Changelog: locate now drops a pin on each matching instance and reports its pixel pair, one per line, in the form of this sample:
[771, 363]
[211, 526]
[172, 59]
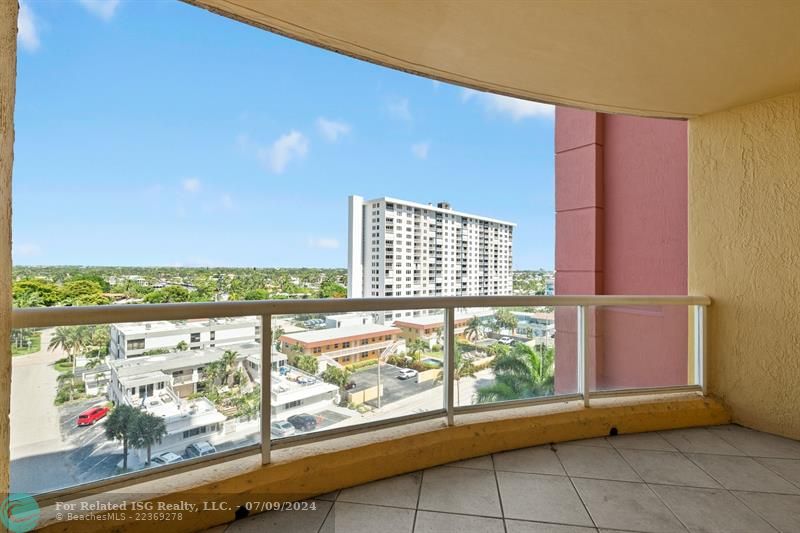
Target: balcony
[742, 247]
[455, 404]
[662, 479]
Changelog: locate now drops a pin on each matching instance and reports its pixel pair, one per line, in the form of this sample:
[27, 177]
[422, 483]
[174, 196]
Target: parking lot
[93, 456]
[394, 389]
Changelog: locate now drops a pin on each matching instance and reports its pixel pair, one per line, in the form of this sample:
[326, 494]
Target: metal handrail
[107, 314]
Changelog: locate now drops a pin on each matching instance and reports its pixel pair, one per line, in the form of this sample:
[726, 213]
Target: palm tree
[277, 333]
[120, 426]
[473, 329]
[62, 338]
[519, 373]
[307, 363]
[463, 368]
[66, 384]
[146, 431]
[505, 319]
[227, 362]
[415, 347]
[339, 377]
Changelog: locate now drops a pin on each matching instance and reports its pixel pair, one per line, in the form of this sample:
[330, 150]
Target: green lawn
[36, 344]
[63, 365]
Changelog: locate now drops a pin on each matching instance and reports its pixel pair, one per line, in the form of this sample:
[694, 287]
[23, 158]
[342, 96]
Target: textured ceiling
[664, 58]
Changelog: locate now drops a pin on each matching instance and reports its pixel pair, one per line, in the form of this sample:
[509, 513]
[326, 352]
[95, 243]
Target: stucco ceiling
[668, 58]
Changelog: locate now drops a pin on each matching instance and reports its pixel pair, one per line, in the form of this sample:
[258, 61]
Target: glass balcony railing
[389, 361]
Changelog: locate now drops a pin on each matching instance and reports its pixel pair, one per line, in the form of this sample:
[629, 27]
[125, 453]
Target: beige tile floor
[724, 479]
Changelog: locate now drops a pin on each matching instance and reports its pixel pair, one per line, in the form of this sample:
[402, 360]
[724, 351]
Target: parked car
[407, 373]
[199, 449]
[167, 458]
[508, 341]
[92, 415]
[303, 422]
[282, 428]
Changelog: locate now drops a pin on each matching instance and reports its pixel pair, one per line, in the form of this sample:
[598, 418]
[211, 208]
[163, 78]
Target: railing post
[266, 387]
[583, 357]
[700, 347]
[450, 362]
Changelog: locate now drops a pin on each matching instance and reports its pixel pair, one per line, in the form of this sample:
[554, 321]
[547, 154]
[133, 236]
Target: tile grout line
[653, 492]
[755, 512]
[419, 496]
[499, 494]
[755, 458]
[330, 510]
[771, 469]
[574, 488]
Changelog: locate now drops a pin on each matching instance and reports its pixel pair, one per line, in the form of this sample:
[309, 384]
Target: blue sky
[156, 133]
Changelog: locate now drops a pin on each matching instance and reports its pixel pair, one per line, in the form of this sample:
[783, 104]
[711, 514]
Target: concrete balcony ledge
[317, 468]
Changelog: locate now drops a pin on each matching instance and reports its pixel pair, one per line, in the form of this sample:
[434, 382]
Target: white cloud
[513, 107]
[27, 34]
[292, 145]
[26, 249]
[400, 109]
[420, 150]
[331, 129]
[436, 84]
[191, 185]
[323, 242]
[227, 201]
[103, 9]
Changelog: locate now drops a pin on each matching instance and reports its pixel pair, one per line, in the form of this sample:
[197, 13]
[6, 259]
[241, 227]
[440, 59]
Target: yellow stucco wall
[8, 68]
[744, 252]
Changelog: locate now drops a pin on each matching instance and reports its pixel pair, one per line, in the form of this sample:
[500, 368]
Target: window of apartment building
[194, 337]
[135, 344]
[194, 432]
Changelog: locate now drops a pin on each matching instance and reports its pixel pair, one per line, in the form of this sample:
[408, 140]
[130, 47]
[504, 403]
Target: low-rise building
[345, 345]
[168, 385]
[349, 319]
[148, 387]
[431, 327]
[136, 339]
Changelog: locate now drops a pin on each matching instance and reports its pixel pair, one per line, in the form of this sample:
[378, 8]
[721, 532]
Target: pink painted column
[579, 231]
[621, 228]
[645, 180]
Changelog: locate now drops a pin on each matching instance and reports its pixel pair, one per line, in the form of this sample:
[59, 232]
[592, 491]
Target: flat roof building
[345, 345]
[136, 339]
[402, 248]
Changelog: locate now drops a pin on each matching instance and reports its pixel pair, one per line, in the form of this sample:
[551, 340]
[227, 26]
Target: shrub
[396, 360]
[361, 364]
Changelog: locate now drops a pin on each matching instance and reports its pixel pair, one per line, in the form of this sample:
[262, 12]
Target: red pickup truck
[90, 416]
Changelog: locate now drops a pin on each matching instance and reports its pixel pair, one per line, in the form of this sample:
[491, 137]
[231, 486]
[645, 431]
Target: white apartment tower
[400, 248]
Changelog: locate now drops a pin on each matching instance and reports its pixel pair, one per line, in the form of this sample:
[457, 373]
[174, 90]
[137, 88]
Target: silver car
[166, 458]
[281, 428]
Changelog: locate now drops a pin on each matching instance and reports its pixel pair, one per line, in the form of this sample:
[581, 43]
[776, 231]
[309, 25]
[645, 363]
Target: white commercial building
[401, 248]
[147, 338]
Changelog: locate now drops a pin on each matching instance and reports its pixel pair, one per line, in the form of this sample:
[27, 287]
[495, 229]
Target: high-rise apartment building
[401, 248]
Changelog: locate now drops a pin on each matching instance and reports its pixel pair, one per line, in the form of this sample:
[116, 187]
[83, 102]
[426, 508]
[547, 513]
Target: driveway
[36, 443]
